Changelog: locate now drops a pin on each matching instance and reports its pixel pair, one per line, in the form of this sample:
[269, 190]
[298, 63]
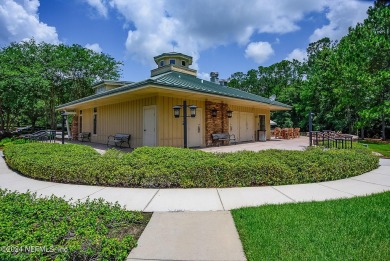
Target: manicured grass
[167, 167]
[382, 148]
[347, 229]
[93, 230]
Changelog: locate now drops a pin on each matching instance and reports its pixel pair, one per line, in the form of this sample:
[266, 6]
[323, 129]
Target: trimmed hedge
[92, 230]
[168, 167]
[7, 141]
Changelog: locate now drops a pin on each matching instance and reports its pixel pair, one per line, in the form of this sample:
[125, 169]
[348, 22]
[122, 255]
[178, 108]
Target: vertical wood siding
[125, 117]
[256, 113]
[170, 131]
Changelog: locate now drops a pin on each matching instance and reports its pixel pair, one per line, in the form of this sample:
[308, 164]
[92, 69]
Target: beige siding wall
[87, 120]
[125, 117]
[170, 130]
[256, 113]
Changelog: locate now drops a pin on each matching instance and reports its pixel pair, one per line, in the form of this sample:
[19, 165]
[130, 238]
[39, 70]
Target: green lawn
[382, 148]
[348, 229]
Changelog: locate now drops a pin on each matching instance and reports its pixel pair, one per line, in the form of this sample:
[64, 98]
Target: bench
[119, 138]
[219, 138]
[85, 136]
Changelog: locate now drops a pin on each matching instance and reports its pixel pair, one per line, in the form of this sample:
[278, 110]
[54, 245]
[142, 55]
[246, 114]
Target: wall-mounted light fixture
[229, 113]
[214, 112]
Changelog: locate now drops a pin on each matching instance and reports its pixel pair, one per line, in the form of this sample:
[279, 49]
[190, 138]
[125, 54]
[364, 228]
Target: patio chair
[290, 133]
[278, 133]
[297, 132]
[285, 133]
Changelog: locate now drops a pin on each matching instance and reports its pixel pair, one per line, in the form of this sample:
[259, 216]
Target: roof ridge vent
[214, 77]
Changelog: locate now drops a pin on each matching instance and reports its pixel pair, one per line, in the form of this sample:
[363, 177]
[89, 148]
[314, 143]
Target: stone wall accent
[219, 124]
[75, 127]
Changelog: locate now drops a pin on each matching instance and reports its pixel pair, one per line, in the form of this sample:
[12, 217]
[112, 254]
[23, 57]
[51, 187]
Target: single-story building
[145, 109]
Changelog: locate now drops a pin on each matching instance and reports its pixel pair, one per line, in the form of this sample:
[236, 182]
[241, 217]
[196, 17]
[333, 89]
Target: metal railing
[43, 136]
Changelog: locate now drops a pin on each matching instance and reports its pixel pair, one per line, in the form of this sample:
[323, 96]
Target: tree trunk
[7, 121]
[52, 111]
[1, 117]
[383, 127]
[362, 133]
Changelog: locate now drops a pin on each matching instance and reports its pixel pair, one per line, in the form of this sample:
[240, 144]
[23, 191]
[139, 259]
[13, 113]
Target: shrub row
[6, 141]
[167, 167]
[93, 230]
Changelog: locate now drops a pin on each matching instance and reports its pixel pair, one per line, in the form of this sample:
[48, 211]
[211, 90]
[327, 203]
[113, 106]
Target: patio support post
[176, 113]
[185, 123]
[63, 116]
[310, 128]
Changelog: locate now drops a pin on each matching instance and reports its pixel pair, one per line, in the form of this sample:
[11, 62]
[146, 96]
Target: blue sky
[225, 36]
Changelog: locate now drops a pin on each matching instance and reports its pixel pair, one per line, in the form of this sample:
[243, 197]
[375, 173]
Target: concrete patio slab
[292, 144]
[245, 197]
[131, 198]
[355, 187]
[189, 236]
[69, 191]
[374, 178]
[185, 200]
[311, 192]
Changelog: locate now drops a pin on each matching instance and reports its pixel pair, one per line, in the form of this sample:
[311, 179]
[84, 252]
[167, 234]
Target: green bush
[6, 141]
[93, 230]
[168, 167]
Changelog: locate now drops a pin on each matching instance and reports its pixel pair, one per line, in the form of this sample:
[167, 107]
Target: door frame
[199, 112]
[155, 124]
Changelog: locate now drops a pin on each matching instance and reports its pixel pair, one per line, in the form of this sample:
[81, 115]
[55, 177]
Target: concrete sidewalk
[189, 236]
[210, 199]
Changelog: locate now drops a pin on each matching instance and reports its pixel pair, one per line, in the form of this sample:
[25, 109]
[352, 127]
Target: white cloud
[259, 51]
[297, 54]
[19, 21]
[100, 6]
[197, 25]
[94, 47]
[341, 15]
[204, 76]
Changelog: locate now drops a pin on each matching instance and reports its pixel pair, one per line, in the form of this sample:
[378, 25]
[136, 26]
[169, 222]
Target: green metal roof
[183, 81]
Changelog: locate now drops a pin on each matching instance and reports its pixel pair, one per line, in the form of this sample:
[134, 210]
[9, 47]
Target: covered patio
[293, 144]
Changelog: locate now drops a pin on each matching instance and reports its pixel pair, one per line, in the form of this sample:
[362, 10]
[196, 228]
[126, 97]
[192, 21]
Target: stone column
[218, 124]
[75, 127]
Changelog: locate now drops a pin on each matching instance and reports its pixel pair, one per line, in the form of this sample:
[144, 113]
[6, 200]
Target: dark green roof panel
[188, 82]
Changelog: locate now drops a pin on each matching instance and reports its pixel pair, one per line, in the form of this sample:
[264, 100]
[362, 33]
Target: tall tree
[36, 77]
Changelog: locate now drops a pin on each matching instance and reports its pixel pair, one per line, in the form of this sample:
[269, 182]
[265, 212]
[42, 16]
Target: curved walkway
[210, 199]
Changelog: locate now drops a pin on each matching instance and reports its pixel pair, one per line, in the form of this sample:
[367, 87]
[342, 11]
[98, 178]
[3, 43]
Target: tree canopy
[36, 77]
[346, 84]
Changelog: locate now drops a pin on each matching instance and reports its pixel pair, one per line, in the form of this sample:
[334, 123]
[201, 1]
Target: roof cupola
[173, 61]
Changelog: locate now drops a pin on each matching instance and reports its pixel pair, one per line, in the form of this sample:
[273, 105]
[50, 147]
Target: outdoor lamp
[192, 110]
[214, 112]
[176, 111]
[229, 113]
